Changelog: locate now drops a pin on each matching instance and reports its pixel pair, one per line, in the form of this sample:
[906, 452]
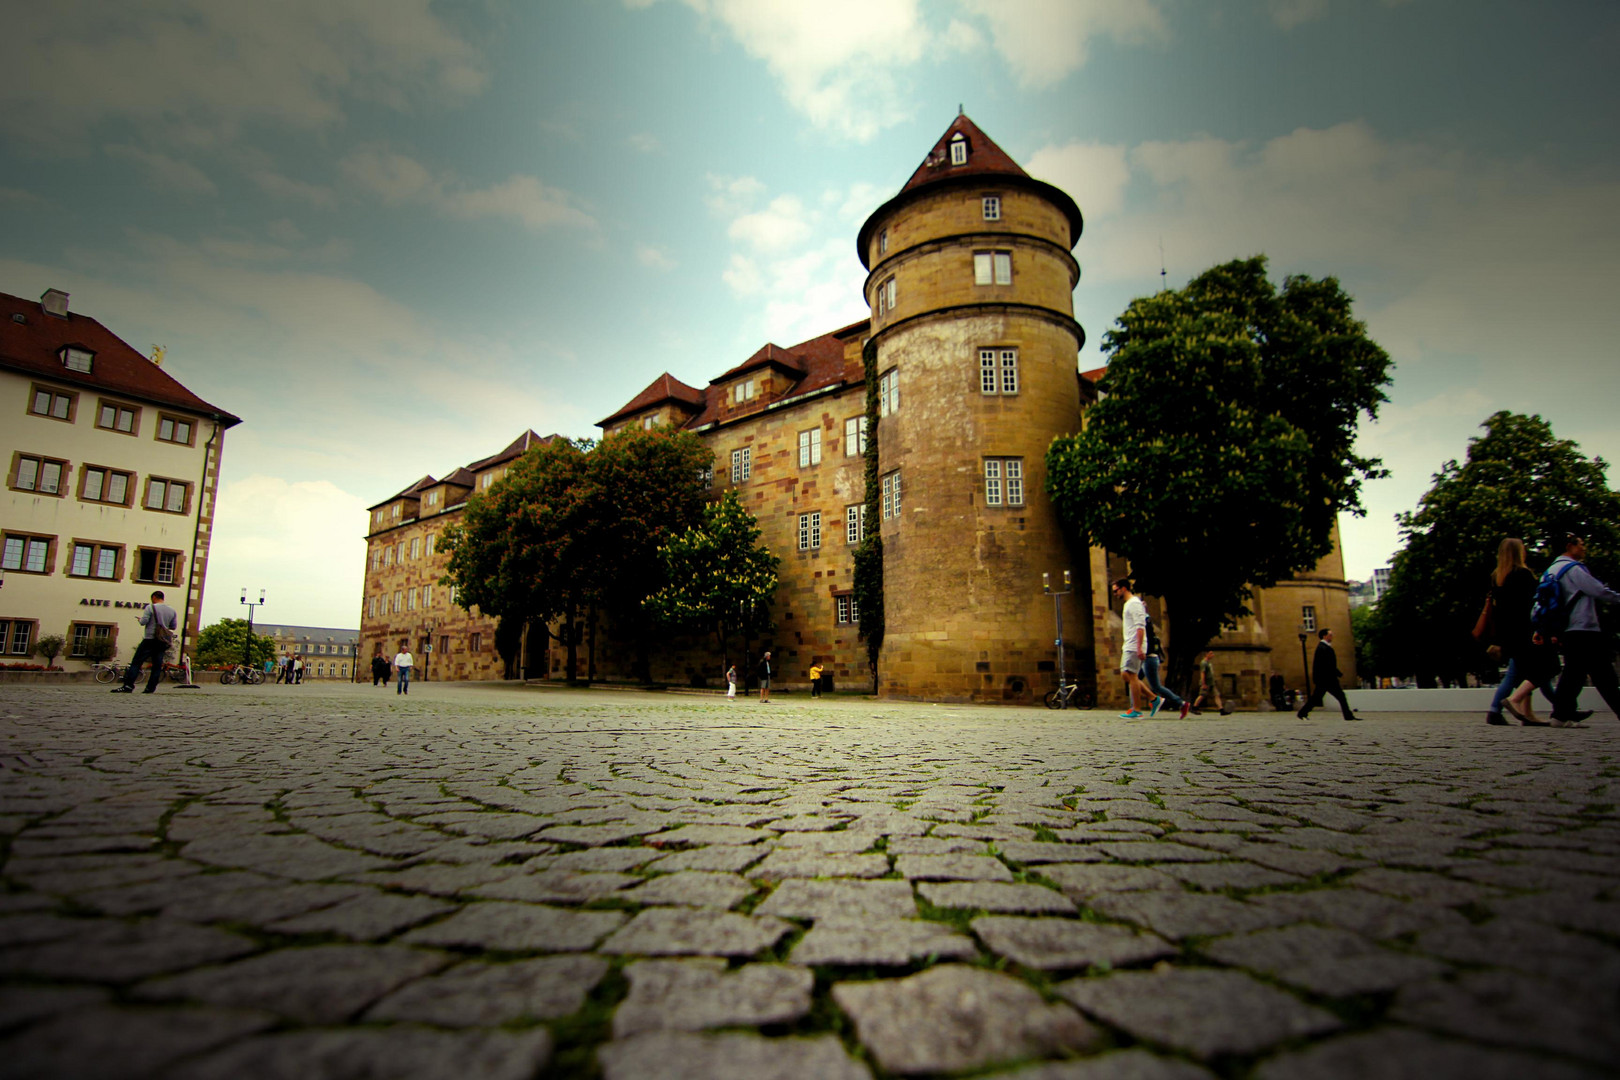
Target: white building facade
[112, 472]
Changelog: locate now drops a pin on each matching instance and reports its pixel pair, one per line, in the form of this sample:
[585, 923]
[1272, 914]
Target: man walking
[402, 665]
[765, 678]
[161, 623]
[1132, 659]
[379, 670]
[1325, 673]
[1586, 653]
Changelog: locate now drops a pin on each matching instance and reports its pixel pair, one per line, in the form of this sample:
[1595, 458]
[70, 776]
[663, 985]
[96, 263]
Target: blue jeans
[1150, 672]
[1505, 688]
[404, 684]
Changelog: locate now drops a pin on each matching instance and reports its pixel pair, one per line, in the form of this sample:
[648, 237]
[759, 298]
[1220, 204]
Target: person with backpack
[1566, 613]
[1150, 674]
[161, 622]
[1529, 661]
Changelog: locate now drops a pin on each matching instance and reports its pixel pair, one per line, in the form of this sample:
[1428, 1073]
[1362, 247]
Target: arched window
[959, 149]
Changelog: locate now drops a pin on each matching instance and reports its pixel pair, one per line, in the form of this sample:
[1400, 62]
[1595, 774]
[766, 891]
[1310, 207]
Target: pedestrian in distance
[1325, 673]
[1209, 689]
[298, 669]
[1150, 672]
[379, 670]
[815, 680]
[160, 623]
[765, 678]
[1134, 613]
[402, 668]
[731, 683]
[1530, 662]
[1573, 626]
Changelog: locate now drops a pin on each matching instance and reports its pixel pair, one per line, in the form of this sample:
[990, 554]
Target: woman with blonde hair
[1513, 590]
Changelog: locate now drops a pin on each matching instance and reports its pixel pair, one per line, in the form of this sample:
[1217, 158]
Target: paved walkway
[335, 881]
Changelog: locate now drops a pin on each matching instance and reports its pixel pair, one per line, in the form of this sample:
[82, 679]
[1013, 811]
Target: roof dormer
[77, 357]
[959, 149]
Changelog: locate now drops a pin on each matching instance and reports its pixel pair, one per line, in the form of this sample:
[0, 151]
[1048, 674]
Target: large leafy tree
[718, 577]
[521, 549]
[1222, 450]
[1517, 479]
[222, 644]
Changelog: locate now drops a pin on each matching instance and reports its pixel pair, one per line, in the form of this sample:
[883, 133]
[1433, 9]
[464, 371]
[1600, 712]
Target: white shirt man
[1135, 650]
[402, 665]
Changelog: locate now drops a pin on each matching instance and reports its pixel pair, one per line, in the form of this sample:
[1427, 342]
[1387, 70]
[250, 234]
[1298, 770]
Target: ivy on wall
[869, 553]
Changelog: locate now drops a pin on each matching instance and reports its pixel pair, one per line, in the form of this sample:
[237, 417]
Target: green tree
[718, 577]
[1517, 479]
[50, 647]
[1372, 651]
[223, 643]
[519, 552]
[1221, 452]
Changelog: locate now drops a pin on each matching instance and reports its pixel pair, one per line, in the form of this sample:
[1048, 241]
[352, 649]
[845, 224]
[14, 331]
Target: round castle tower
[971, 288]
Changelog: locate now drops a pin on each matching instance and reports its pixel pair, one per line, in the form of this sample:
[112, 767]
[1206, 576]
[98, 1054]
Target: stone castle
[970, 287]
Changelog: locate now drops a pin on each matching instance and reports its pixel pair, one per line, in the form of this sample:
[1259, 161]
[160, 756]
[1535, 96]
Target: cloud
[1096, 175]
[731, 195]
[203, 69]
[399, 180]
[655, 258]
[1291, 13]
[163, 172]
[18, 195]
[1043, 41]
[781, 225]
[278, 186]
[644, 143]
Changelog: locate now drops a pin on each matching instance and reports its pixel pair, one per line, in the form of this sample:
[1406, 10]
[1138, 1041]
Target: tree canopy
[717, 576]
[574, 526]
[1517, 479]
[1222, 450]
[222, 644]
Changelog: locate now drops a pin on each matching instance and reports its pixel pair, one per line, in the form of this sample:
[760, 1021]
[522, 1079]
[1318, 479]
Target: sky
[392, 235]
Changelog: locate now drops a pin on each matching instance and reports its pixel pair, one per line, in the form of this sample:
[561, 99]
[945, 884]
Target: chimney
[54, 302]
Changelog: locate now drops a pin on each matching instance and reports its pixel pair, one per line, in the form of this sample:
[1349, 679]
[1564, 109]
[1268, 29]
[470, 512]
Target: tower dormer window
[77, 359]
[958, 149]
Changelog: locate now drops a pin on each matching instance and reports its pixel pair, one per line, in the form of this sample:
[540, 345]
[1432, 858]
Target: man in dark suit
[1325, 673]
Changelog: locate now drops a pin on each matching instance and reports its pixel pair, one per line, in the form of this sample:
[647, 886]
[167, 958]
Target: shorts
[765, 683]
[1130, 663]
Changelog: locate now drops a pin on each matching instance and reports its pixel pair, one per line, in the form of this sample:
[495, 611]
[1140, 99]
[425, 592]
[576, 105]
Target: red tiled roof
[415, 489]
[34, 346]
[664, 388]
[517, 448]
[1094, 374]
[463, 476]
[984, 157]
[769, 355]
[821, 364]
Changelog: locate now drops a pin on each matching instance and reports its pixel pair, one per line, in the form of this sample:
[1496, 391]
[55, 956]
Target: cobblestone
[478, 880]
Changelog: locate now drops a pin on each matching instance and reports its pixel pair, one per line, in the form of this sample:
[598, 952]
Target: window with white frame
[175, 430]
[78, 359]
[398, 508]
[706, 476]
[891, 495]
[992, 207]
[854, 436]
[399, 600]
[84, 634]
[883, 242]
[886, 293]
[388, 555]
[106, 485]
[809, 448]
[112, 416]
[156, 566]
[17, 636]
[27, 554]
[649, 422]
[428, 547]
[371, 608]
[743, 391]
[889, 392]
[431, 498]
[855, 523]
[1004, 481]
[410, 600]
[52, 403]
[810, 530]
[169, 496]
[992, 268]
[848, 612]
[1307, 618]
[959, 149]
[416, 547]
[42, 475]
[486, 480]
[998, 371]
[94, 560]
[427, 596]
[742, 465]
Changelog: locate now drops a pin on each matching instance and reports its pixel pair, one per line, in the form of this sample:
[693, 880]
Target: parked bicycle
[1070, 696]
[112, 671]
[241, 673]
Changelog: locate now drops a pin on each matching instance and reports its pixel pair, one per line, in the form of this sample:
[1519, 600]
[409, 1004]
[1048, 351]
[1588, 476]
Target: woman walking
[1529, 662]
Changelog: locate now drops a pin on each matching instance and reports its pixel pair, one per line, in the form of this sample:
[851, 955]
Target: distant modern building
[112, 470]
[1380, 583]
[1361, 594]
[327, 652]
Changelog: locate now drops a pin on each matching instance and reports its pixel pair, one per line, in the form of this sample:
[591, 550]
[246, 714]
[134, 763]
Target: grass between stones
[576, 1037]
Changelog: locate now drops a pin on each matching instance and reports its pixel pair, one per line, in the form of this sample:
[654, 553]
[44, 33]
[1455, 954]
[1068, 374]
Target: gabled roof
[462, 477]
[517, 448]
[414, 490]
[822, 364]
[984, 157]
[34, 346]
[985, 161]
[664, 388]
[1094, 374]
[769, 355]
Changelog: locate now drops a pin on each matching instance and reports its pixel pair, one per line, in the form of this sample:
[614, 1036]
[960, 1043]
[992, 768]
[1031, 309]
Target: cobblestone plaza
[480, 881]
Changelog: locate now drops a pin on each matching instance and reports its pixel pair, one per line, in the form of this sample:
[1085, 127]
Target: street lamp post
[1304, 631]
[247, 649]
[1057, 615]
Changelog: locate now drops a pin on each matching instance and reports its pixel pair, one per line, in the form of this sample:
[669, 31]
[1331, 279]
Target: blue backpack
[1549, 615]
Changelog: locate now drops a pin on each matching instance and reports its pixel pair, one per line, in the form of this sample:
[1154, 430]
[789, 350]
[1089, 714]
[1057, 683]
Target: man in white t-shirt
[1135, 651]
[403, 664]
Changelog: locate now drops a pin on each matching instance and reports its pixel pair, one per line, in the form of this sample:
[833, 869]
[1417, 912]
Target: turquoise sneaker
[1134, 714]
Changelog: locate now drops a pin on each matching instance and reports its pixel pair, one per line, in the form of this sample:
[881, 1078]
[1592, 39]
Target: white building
[112, 472]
